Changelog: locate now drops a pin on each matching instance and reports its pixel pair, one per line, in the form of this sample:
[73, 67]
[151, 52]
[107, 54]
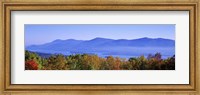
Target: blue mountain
[56, 45]
[142, 42]
[105, 46]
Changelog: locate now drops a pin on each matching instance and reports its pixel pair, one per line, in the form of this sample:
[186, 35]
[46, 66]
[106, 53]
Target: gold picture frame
[96, 5]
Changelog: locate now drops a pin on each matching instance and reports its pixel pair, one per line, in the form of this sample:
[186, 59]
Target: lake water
[126, 52]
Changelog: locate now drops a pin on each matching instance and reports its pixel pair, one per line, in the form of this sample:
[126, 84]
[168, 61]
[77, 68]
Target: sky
[36, 34]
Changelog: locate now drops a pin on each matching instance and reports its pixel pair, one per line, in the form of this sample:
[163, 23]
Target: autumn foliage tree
[94, 62]
[31, 65]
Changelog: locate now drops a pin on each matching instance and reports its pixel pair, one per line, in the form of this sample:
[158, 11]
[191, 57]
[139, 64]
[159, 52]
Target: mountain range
[104, 46]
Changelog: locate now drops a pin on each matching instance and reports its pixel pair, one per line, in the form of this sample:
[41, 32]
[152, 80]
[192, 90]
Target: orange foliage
[31, 65]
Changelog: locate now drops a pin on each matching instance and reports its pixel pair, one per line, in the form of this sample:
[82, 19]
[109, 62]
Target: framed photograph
[100, 46]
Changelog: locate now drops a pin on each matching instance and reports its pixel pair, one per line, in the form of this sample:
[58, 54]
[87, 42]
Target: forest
[93, 62]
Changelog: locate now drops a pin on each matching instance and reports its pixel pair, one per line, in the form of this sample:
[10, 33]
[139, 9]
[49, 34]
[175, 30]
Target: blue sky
[43, 33]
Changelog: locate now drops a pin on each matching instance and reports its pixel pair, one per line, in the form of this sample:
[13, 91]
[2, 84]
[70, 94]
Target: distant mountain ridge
[101, 45]
[157, 42]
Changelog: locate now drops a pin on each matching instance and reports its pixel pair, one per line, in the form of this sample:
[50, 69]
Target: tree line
[93, 62]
